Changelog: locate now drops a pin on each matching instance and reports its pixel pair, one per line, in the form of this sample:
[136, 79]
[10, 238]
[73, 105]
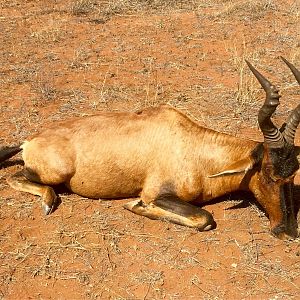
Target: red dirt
[64, 60]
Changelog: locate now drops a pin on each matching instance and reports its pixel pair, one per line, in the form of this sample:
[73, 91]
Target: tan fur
[120, 154]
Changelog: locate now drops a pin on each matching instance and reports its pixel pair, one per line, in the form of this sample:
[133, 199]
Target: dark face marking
[277, 163]
[276, 167]
[289, 224]
[284, 161]
[258, 153]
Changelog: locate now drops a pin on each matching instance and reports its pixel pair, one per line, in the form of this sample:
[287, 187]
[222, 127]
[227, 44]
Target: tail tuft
[7, 152]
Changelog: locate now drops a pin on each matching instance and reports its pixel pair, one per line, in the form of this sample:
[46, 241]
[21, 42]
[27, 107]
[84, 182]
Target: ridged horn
[272, 136]
[294, 118]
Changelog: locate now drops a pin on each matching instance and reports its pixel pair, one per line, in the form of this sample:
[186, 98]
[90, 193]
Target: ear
[239, 166]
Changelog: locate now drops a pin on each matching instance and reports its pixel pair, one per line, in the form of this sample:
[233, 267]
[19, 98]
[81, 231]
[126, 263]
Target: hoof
[130, 205]
[210, 224]
[46, 209]
[209, 227]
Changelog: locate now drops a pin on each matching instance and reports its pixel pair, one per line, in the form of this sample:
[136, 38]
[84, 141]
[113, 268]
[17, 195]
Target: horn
[294, 118]
[272, 136]
[293, 69]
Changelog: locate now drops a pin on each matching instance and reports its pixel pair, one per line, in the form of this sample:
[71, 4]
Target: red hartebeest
[168, 160]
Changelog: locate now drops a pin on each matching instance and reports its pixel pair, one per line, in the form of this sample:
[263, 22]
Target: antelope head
[273, 182]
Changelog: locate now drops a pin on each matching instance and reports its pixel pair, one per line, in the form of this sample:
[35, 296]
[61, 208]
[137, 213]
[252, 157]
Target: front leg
[172, 209]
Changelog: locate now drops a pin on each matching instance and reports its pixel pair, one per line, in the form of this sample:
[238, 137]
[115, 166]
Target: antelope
[166, 162]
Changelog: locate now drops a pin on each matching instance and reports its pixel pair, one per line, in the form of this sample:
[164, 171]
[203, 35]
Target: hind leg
[19, 182]
[172, 209]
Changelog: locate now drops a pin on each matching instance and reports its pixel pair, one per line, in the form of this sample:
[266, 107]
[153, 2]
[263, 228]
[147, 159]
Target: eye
[268, 169]
[269, 175]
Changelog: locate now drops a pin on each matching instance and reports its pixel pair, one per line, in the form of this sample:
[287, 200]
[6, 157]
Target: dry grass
[103, 10]
[251, 10]
[247, 92]
[44, 86]
[76, 58]
[81, 7]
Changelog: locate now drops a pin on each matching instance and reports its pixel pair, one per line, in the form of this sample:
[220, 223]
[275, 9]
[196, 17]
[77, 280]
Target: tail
[7, 152]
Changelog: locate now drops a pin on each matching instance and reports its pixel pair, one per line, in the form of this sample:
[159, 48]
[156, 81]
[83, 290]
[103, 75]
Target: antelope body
[166, 159]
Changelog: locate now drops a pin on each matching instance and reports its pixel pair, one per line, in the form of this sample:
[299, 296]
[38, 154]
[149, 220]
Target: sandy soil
[60, 59]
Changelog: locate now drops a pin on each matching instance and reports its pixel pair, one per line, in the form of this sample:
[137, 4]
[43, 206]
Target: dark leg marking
[172, 203]
[172, 209]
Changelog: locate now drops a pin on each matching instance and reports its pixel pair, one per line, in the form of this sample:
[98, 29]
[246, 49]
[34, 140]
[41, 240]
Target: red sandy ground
[81, 57]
